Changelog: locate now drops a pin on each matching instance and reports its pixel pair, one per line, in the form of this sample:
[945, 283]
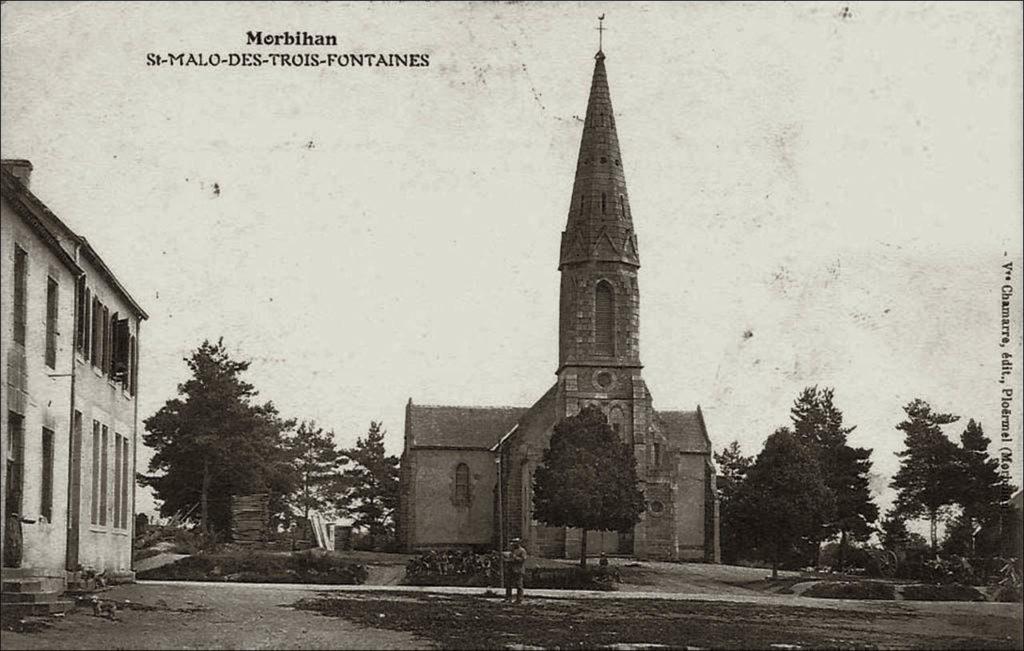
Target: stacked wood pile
[250, 518]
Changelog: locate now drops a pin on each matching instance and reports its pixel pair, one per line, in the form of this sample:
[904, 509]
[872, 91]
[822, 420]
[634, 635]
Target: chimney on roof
[20, 168]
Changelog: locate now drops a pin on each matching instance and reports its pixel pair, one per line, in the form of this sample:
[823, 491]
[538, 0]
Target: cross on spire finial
[600, 33]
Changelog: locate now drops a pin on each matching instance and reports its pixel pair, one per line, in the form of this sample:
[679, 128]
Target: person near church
[515, 569]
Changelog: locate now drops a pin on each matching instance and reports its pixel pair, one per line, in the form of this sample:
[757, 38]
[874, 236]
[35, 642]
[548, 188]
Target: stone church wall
[443, 517]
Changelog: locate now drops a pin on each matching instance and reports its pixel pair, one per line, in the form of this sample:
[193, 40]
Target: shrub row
[313, 566]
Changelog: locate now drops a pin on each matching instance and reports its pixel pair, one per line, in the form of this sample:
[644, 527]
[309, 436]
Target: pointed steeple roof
[599, 210]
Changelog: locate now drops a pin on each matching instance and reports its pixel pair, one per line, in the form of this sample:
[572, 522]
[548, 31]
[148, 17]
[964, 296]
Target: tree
[818, 423]
[733, 513]
[929, 461]
[369, 489]
[316, 461]
[213, 441]
[980, 493]
[789, 501]
[587, 478]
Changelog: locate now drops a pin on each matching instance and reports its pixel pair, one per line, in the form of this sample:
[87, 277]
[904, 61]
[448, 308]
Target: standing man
[515, 561]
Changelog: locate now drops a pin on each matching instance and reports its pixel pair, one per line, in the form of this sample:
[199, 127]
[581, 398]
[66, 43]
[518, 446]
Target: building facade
[457, 460]
[70, 379]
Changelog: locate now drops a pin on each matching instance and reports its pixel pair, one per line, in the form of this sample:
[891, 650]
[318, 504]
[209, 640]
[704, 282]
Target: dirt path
[227, 616]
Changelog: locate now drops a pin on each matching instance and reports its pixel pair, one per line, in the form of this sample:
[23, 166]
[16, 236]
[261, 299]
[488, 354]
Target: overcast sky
[821, 197]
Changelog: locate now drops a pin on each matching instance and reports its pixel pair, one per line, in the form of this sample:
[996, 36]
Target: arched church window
[604, 319]
[462, 484]
[617, 420]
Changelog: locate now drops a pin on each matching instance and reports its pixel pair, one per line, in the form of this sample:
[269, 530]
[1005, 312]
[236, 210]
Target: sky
[824, 194]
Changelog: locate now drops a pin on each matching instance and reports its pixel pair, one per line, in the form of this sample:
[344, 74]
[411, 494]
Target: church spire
[599, 300]
[600, 224]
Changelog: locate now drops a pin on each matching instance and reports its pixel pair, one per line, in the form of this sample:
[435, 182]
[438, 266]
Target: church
[467, 472]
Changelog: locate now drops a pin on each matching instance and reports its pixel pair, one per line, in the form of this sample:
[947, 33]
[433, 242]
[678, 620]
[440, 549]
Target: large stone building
[453, 456]
[68, 385]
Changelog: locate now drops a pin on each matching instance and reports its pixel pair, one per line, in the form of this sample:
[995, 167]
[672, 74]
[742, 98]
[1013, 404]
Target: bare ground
[225, 615]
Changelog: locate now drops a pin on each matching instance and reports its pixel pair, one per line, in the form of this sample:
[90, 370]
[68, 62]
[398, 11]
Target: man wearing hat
[515, 561]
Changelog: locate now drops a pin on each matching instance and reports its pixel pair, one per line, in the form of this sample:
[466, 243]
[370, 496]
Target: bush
[312, 566]
[464, 568]
[454, 567]
[851, 590]
[947, 592]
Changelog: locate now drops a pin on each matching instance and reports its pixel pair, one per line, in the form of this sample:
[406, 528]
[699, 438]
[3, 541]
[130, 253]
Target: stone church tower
[598, 363]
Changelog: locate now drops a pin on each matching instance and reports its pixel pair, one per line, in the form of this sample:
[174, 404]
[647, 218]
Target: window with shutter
[20, 294]
[117, 481]
[97, 332]
[87, 327]
[95, 511]
[52, 297]
[121, 351]
[104, 475]
[604, 319]
[79, 312]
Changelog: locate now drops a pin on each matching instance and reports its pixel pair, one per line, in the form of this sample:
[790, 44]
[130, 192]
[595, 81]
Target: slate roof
[443, 426]
[686, 430]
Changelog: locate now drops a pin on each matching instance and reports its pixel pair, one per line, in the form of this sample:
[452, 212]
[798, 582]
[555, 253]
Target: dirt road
[225, 616]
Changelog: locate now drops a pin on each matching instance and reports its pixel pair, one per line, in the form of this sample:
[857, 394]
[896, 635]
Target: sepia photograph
[511, 325]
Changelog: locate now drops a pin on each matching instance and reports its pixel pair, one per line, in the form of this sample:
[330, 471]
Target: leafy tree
[369, 488]
[895, 536]
[587, 478]
[789, 501]
[316, 461]
[818, 423]
[734, 527]
[214, 441]
[926, 466]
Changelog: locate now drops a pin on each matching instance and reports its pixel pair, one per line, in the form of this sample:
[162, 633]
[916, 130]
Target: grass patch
[945, 592]
[852, 590]
[469, 622]
[312, 566]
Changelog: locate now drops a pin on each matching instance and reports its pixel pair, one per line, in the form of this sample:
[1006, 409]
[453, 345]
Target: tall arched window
[462, 484]
[604, 319]
[604, 203]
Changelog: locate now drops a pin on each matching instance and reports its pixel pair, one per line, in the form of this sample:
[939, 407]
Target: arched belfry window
[462, 484]
[604, 318]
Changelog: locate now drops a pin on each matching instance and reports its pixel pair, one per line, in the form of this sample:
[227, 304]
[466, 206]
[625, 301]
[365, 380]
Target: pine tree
[317, 462]
[370, 486]
[929, 461]
[818, 423]
[981, 491]
[789, 501]
[734, 529]
[214, 441]
[587, 479]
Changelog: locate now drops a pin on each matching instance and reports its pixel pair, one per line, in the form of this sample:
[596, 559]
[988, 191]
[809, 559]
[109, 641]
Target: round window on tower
[603, 379]
[656, 507]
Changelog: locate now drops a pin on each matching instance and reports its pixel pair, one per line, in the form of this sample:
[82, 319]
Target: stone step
[28, 597]
[29, 608]
[22, 585]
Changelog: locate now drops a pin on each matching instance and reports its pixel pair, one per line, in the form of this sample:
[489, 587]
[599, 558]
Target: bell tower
[599, 305]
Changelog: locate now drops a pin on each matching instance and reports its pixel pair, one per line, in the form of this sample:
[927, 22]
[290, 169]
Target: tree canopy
[214, 441]
[818, 424]
[588, 478]
[317, 463]
[788, 499]
[923, 481]
[369, 487]
[735, 531]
